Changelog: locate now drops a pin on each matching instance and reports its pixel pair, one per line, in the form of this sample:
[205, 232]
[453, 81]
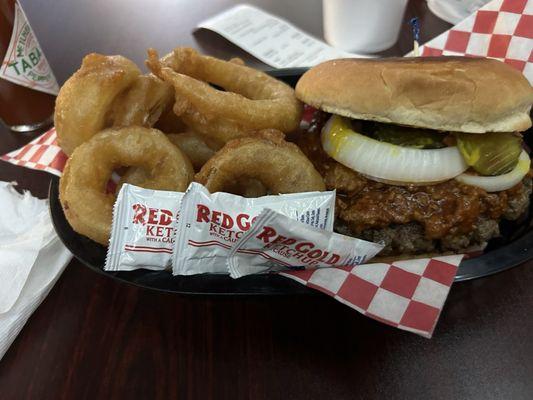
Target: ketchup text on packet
[305, 251]
[222, 224]
[157, 222]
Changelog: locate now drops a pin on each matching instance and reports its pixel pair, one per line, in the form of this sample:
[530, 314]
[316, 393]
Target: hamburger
[426, 154]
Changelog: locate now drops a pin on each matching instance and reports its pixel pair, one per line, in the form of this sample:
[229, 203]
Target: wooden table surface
[94, 338]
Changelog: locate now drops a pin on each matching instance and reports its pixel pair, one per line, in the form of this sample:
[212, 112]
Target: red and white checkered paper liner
[42, 153]
[502, 29]
[406, 294]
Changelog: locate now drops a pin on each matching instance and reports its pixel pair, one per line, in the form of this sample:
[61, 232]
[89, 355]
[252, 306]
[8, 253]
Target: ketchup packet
[211, 223]
[275, 242]
[143, 230]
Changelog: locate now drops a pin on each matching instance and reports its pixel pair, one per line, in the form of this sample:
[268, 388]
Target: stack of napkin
[31, 259]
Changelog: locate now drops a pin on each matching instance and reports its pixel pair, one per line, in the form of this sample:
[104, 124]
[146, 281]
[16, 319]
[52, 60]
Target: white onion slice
[386, 161]
[499, 182]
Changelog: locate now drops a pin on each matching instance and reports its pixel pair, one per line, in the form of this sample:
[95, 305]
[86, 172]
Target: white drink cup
[364, 26]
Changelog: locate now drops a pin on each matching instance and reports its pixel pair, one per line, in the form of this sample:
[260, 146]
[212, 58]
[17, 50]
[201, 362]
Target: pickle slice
[409, 137]
[490, 153]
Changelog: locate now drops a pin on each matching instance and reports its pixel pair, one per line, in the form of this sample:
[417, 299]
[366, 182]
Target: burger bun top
[460, 94]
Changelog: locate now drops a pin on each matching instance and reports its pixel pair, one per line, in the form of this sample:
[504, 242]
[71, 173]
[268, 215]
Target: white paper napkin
[31, 259]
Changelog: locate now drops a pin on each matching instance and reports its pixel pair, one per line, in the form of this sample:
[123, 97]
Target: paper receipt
[272, 40]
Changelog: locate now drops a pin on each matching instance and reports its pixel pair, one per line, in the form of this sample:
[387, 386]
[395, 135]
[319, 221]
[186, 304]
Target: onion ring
[108, 91]
[252, 100]
[142, 103]
[265, 156]
[194, 147]
[84, 100]
[82, 190]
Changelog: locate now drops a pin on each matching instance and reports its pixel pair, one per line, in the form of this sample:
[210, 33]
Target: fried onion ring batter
[247, 187]
[194, 147]
[220, 129]
[84, 100]
[87, 206]
[252, 100]
[142, 103]
[265, 156]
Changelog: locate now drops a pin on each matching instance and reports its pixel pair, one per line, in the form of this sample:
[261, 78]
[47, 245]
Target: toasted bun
[459, 94]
